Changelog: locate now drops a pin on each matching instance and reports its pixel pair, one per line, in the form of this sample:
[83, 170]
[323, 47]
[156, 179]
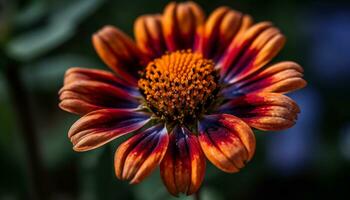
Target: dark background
[40, 39]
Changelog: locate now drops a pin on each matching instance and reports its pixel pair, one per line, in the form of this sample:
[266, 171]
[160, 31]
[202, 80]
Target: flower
[189, 87]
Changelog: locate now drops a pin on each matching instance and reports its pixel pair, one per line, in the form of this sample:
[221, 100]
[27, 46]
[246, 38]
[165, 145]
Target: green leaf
[50, 70]
[38, 42]
[76, 12]
[61, 27]
[31, 14]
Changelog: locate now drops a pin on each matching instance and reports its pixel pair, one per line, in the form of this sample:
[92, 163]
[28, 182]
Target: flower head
[189, 87]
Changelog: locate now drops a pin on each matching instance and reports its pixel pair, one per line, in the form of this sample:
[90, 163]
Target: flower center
[179, 85]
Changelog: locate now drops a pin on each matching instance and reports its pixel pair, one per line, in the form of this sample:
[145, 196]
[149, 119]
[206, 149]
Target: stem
[19, 99]
[196, 196]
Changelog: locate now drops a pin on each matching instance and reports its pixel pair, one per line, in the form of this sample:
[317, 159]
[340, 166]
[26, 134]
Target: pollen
[179, 85]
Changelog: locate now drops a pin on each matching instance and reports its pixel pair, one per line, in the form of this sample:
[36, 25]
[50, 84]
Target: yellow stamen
[178, 84]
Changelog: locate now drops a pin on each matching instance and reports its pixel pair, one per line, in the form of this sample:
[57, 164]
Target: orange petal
[149, 35]
[226, 141]
[250, 52]
[86, 90]
[141, 154]
[282, 78]
[183, 166]
[119, 52]
[99, 127]
[181, 23]
[264, 111]
[219, 30]
[77, 74]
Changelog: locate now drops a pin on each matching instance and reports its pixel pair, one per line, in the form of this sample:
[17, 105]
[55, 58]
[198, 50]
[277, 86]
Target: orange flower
[190, 87]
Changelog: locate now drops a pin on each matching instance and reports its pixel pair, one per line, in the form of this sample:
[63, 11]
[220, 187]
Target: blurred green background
[40, 39]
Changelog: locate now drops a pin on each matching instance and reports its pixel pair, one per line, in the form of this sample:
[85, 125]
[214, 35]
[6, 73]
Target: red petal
[181, 23]
[282, 78]
[220, 28]
[119, 52]
[99, 127]
[139, 156]
[76, 74]
[226, 141]
[250, 51]
[88, 90]
[264, 111]
[183, 166]
[149, 35]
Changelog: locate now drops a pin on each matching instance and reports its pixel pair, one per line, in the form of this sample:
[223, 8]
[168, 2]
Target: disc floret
[179, 85]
